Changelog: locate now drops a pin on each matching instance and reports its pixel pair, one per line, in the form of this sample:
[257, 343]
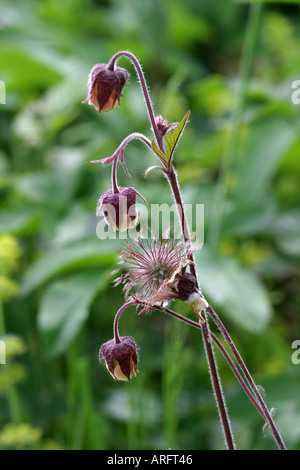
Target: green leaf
[286, 231]
[234, 291]
[159, 153]
[65, 307]
[25, 71]
[248, 218]
[266, 146]
[172, 139]
[19, 222]
[88, 254]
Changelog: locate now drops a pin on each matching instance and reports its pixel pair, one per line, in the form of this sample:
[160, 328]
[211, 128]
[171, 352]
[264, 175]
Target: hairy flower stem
[117, 317]
[132, 136]
[114, 176]
[145, 91]
[216, 383]
[218, 343]
[225, 354]
[251, 382]
[174, 185]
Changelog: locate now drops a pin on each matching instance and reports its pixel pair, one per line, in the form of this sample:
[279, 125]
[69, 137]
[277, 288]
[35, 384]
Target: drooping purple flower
[120, 358]
[105, 86]
[119, 208]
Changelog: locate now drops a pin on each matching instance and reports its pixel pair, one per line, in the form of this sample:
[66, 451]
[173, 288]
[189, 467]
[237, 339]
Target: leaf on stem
[173, 139]
[163, 158]
[171, 142]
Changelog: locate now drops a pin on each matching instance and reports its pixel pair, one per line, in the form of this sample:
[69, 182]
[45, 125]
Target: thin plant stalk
[114, 177]
[198, 326]
[174, 185]
[116, 320]
[212, 365]
[252, 384]
[217, 385]
[225, 354]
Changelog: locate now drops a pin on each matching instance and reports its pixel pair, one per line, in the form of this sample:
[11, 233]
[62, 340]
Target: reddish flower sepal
[120, 358]
[105, 86]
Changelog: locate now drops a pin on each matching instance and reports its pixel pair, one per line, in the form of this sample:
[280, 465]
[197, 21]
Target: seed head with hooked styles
[157, 268]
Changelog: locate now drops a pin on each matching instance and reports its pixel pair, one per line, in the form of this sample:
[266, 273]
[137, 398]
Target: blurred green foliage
[57, 303]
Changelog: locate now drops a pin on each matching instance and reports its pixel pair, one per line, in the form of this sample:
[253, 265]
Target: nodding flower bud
[120, 358]
[119, 209]
[105, 86]
[163, 126]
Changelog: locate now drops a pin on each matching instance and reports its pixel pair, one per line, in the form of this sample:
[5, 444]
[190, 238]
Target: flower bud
[105, 86]
[119, 208]
[120, 358]
[163, 126]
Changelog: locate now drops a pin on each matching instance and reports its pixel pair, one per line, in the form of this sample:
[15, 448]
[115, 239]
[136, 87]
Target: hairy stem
[117, 318]
[251, 382]
[174, 185]
[133, 136]
[145, 91]
[220, 346]
[216, 383]
[114, 176]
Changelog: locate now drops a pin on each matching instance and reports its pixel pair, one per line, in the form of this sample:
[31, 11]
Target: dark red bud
[163, 126]
[119, 208]
[120, 358]
[105, 86]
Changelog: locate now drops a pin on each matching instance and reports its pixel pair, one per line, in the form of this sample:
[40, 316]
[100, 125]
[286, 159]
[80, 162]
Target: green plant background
[232, 64]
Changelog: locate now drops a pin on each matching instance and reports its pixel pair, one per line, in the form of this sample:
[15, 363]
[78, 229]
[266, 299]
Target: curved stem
[114, 176]
[120, 149]
[132, 136]
[145, 91]
[117, 318]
